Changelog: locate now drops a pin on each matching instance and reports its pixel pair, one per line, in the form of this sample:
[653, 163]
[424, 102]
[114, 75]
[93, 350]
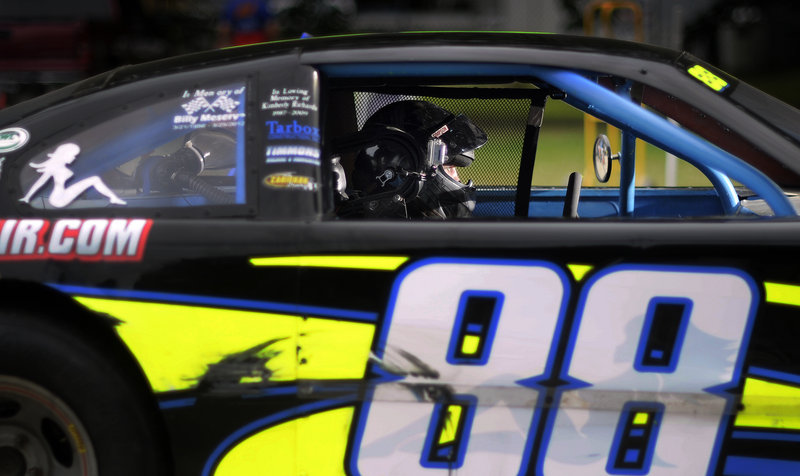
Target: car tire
[71, 403]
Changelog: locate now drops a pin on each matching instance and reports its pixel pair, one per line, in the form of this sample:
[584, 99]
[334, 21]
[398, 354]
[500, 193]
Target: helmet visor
[461, 137]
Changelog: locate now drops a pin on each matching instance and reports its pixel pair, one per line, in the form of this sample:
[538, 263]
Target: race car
[377, 254]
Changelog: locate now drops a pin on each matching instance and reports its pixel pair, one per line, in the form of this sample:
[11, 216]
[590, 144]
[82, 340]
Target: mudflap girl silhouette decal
[56, 168]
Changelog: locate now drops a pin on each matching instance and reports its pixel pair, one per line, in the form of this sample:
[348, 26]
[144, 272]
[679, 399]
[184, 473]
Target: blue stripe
[760, 435]
[240, 168]
[218, 302]
[178, 403]
[774, 374]
[744, 466]
[278, 391]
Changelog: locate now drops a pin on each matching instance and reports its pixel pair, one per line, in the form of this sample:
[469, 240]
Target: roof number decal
[13, 138]
[708, 78]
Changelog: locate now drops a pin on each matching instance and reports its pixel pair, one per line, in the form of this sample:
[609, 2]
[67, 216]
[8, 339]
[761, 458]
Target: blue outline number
[459, 333]
[635, 438]
[663, 334]
[648, 330]
[475, 327]
[456, 333]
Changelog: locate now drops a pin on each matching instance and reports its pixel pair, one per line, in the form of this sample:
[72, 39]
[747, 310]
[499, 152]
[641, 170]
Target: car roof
[344, 48]
[776, 132]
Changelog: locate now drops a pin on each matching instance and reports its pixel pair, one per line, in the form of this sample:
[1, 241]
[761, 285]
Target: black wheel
[40, 434]
[70, 404]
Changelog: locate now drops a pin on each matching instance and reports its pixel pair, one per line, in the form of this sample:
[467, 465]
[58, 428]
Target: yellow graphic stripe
[579, 270]
[769, 405]
[312, 445]
[782, 293]
[175, 344]
[450, 424]
[332, 350]
[380, 263]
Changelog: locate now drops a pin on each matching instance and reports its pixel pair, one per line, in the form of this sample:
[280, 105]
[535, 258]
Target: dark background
[48, 43]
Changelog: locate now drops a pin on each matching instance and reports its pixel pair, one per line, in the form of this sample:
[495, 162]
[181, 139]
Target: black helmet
[405, 167]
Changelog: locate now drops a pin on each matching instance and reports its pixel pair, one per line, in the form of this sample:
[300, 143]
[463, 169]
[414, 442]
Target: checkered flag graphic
[195, 105]
[225, 103]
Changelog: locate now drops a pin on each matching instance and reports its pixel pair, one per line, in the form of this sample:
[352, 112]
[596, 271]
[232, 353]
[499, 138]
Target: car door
[546, 346]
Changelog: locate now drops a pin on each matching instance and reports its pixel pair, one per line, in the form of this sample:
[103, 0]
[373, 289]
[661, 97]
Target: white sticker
[220, 107]
[13, 138]
[55, 168]
[281, 154]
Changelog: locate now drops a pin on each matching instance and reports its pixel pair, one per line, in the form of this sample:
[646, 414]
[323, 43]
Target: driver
[406, 164]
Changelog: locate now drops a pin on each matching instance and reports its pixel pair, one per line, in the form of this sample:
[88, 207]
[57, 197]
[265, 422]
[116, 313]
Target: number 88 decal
[467, 342]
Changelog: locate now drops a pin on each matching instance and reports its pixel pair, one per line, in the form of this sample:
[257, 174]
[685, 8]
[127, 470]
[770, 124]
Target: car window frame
[418, 72]
[47, 126]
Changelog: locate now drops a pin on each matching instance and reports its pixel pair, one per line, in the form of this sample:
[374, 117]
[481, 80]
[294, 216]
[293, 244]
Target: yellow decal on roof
[708, 78]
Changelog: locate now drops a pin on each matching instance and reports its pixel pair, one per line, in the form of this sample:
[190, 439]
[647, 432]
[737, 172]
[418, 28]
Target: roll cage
[617, 101]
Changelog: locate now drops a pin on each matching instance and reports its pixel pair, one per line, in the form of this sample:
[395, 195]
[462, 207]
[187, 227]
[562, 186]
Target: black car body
[192, 286]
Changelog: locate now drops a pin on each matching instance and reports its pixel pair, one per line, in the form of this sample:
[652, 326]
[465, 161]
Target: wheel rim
[39, 434]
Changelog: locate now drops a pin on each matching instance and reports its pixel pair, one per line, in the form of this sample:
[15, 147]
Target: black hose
[211, 193]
